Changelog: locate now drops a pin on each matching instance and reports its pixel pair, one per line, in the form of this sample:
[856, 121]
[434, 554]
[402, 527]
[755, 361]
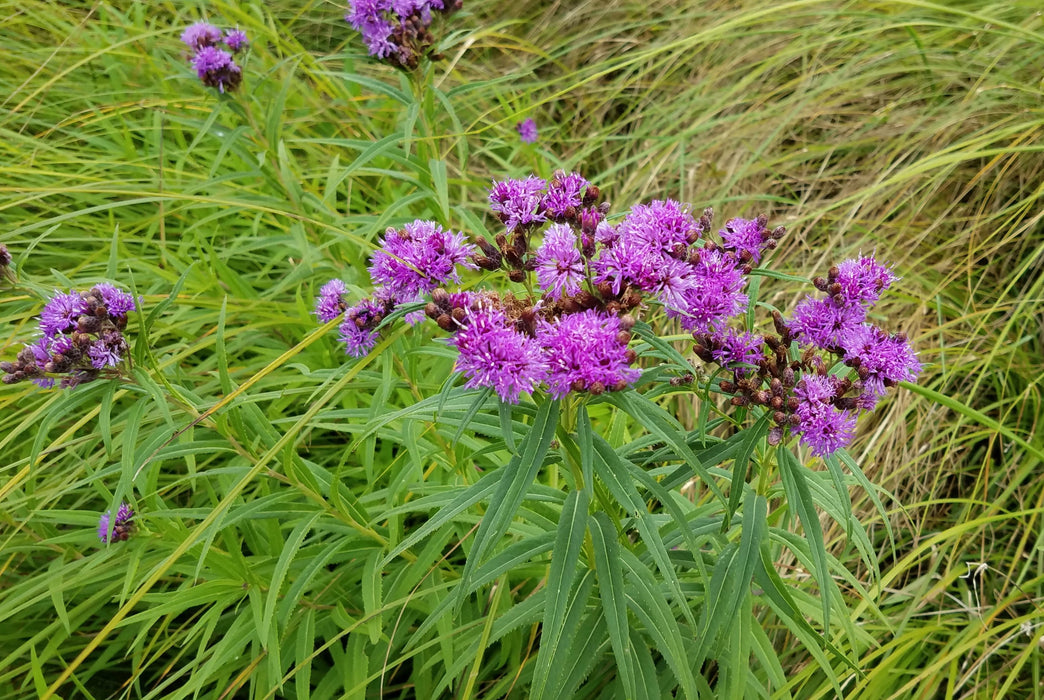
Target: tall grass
[909, 128]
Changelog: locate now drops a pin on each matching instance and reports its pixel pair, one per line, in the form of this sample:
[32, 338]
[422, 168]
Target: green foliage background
[274, 477]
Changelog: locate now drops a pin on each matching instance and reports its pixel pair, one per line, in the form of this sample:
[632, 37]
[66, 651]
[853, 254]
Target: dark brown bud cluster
[5, 264]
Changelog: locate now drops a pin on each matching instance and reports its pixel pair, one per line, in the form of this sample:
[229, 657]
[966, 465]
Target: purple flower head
[564, 192]
[104, 354]
[358, 328]
[733, 349]
[330, 302]
[216, 68]
[823, 428]
[60, 312]
[560, 269]
[368, 18]
[516, 202]
[746, 236]
[236, 40]
[862, 280]
[606, 233]
[715, 292]
[585, 352]
[121, 526]
[493, 354]
[882, 360]
[662, 225]
[822, 323]
[200, 35]
[117, 302]
[527, 130]
[418, 258]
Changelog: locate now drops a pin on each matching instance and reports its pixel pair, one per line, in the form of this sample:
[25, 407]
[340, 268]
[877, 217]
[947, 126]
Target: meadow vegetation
[273, 475]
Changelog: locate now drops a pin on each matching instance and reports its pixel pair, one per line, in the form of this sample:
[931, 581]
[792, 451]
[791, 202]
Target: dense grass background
[912, 129]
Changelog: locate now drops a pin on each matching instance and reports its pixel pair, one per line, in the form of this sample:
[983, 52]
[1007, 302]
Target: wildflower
[122, 525]
[330, 302]
[821, 322]
[60, 312]
[81, 335]
[747, 237]
[359, 328]
[565, 195]
[517, 202]
[822, 427]
[216, 68]
[714, 291]
[880, 359]
[586, 351]
[418, 258]
[527, 130]
[493, 354]
[859, 281]
[732, 348]
[236, 40]
[5, 258]
[560, 269]
[201, 35]
[397, 30]
[662, 225]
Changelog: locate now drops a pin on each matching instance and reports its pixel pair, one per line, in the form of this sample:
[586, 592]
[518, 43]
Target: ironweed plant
[569, 292]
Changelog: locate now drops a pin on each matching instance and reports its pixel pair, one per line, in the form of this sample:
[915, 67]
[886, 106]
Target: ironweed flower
[5, 262]
[517, 202]
[396, 31]
[330, 302]
[559, 266]
[214, 66]
[200, 35]
[587, 351]
[418, 258]
[493, 354]
[527, 130]
[358, 331]
[81, 336]
[122, 525]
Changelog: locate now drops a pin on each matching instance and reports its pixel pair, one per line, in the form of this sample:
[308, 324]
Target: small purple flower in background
[493, 354]
[527, 130]
[587, 351]
[200, 35]
[559, 266]
[214, 66]
[236, 40]
[330, 302]
[397, 30]
[122, 525]
[81, 335]
[517, 202]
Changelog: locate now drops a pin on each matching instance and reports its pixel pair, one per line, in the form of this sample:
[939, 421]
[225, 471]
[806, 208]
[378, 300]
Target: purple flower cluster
[527, 130]
[122, 525]
[409, 262]
[397, 30]
[802, 395]
[215, 66]
[81, 337]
